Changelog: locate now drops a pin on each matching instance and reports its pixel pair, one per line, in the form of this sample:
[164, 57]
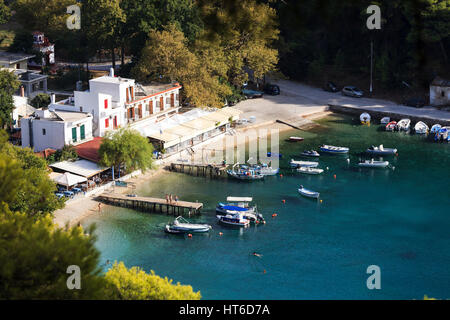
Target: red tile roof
[89, 150]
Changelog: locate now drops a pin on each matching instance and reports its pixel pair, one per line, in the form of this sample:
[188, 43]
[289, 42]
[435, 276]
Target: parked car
[416, 102]
[251, 94]
[331, 87]
[272, 89]
[352, 91]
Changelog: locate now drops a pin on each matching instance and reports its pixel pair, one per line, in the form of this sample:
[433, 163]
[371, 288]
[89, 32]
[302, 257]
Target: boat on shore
[310, 153]
[421, 128]
[435, 128]
[365, 118]
[404, 125]
[308, 193]
[334, 149]
[442, 135]
[373, 164]
[385, 120]
[309, 170]
[391, 126]
[297, 164]
[181, 225]
[234, 219]
[295, 139]
[381, 150]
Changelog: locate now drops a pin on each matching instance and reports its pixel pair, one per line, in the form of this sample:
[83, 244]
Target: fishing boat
[265, 170]
[297, 164]
[381, 151]
[442, 135]
[385, 120]
[309, 170]
[391, 126]
[236, 204]
[234, 219]
[435, 128]
[310, 153]
[181, 225]
[365, 118]
[334, 149]
[244, 173]
[308, 193]
[295, 139]
[373, 164]
[421, 128]
[404, 125]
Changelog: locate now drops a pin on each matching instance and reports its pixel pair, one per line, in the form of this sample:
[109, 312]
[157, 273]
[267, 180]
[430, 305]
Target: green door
[82, 135]
[74, 134]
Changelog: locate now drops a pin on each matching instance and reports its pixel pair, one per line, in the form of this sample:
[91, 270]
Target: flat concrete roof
[11, 57]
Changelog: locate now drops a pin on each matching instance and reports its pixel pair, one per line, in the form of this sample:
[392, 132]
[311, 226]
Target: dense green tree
[5, 12]
[68, 152]
[8, 85]
[33, 191]
[127, 148]
[136, 284]
[41, 100]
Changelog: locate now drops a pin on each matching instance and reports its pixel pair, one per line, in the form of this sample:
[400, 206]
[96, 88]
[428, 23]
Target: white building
[21, 109]
[440, 92]
[42, 44]
[53, 129]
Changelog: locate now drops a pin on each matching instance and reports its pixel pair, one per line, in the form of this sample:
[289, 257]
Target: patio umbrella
[68, 179]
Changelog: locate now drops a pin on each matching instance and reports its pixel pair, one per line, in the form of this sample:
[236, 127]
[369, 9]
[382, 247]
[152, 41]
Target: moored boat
[442, 135]
[334, 149]
[234, 219]
[364, 118]
[391, 126]
[297, 164]
[309, 170]
[245, 173]
[181, 225]
[236, 204]
[421, 128]
[310, 153]
[373, 164]
[265, 170]
[404, 125]
[295, 139]
[385, 120]
[381, 150]
[308, 193]
[435, 128]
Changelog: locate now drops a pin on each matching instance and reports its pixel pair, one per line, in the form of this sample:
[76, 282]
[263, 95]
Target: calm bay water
[397, 218]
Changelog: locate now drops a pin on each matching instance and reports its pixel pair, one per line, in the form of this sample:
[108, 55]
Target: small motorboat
[245, 173]
[308, 193]
[240, 204]
[265, 170]
[381, 151]
[295, 139]
[234, 219]
[442, 135]
[365, 118]
[309, 170]
[435, 128]
[310, 153]
[391, 126]
[404, 125]
[297, 164]
[385, 120]
[181, 225]
[421, 128]
[334, 149]
[373, 164]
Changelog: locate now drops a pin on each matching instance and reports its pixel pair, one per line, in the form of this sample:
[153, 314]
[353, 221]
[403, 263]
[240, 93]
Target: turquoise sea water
[398, 219]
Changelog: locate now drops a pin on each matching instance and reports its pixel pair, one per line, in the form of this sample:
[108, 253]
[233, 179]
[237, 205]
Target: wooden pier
[205, 170]
[151, 204]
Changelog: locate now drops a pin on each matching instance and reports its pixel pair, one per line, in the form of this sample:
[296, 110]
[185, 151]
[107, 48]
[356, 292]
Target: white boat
[391, 126]
[309, 170]
[404, 125]
[181, 225]
[245, 173]
[385, 120]
[295, 139]
[334, 149]
[381, 151]
[265, 170]
[297, 164]
[310, 153]
[234, 219]
[308, 193]
[421, 128]
[373, 164]
[234, 204]
[442, 135]
[364, 118]
[435, 128]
